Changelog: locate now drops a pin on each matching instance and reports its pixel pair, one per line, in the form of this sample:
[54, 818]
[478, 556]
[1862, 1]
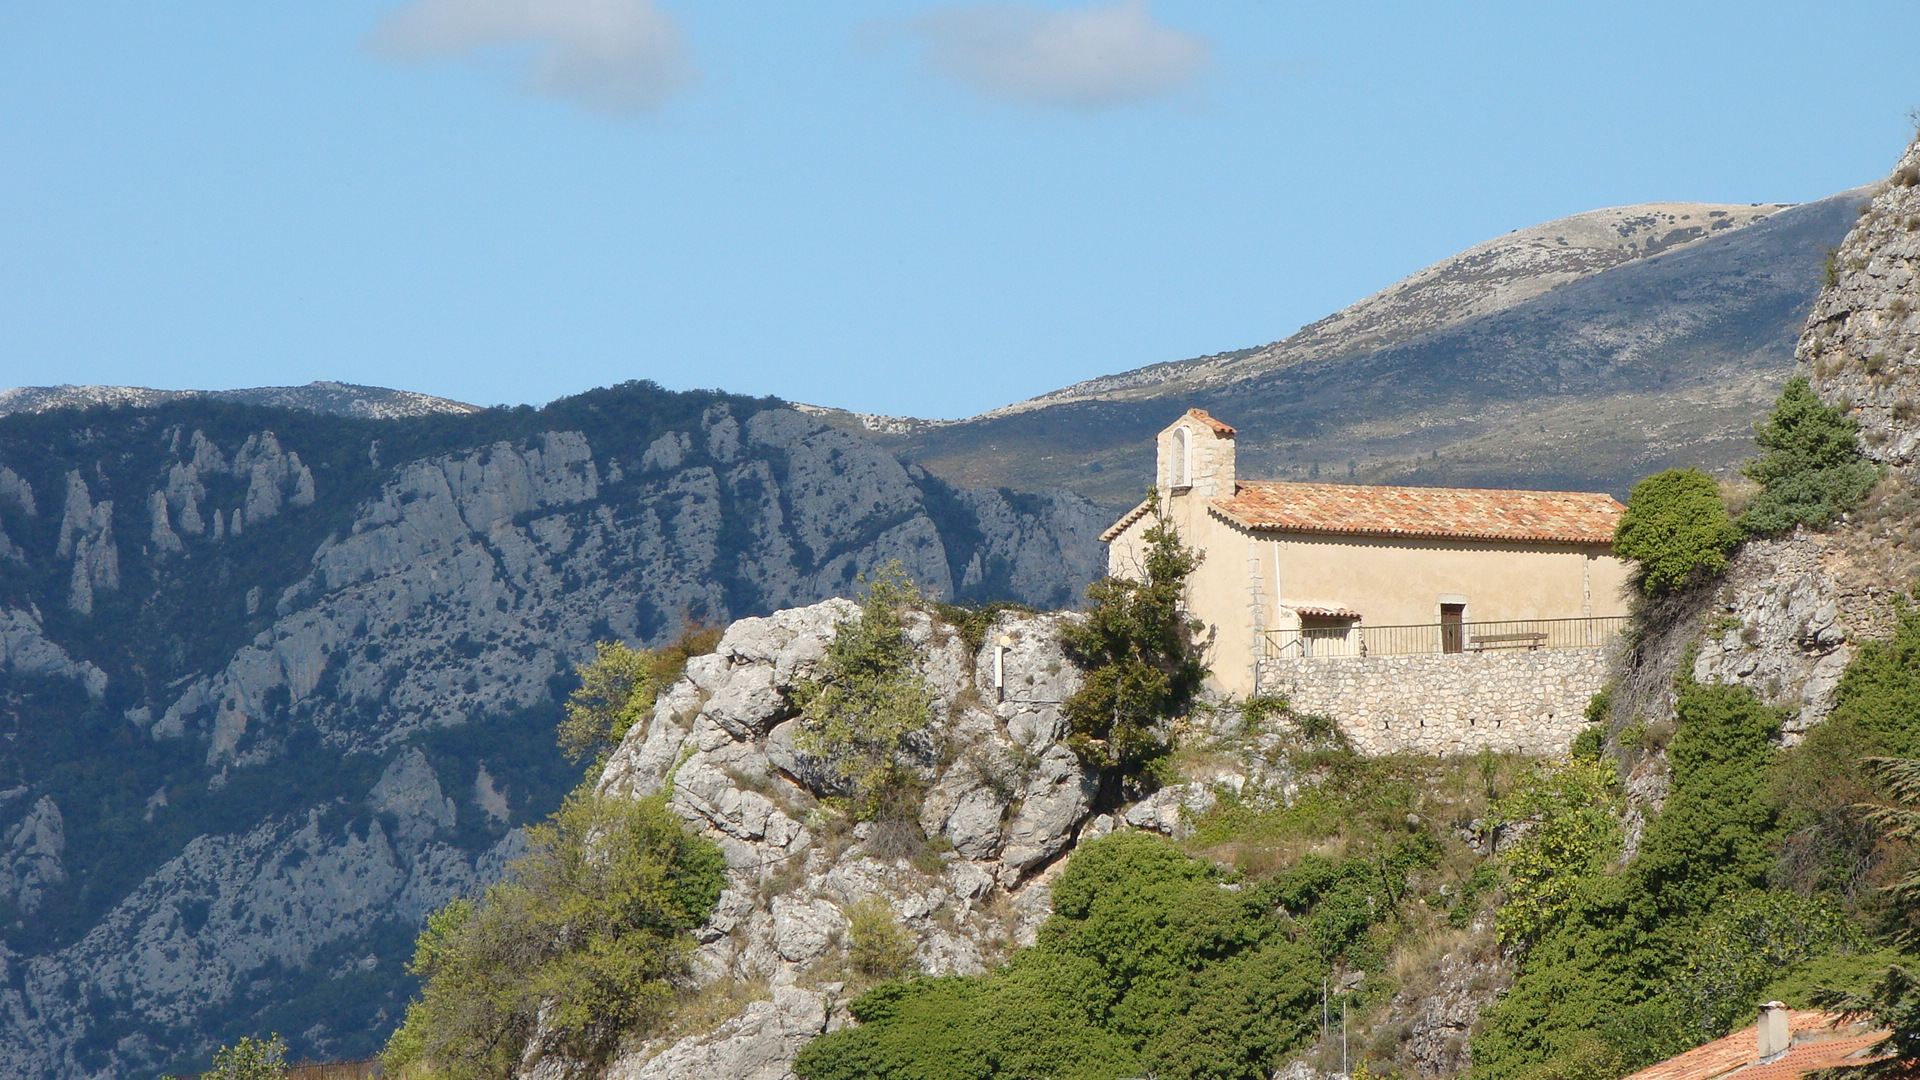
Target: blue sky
[913, 208]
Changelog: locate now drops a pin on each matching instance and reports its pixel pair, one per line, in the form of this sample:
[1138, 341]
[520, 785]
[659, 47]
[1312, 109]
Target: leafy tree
[1676, 530]
[250, 1059]
[1746, 946]
[589, 932]
[1134, 645]
[1811, 470]
[618, 688]
[866, 703]
[1572, 831]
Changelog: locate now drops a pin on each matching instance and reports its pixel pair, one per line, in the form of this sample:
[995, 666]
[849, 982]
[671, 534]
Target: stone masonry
[1519, 700]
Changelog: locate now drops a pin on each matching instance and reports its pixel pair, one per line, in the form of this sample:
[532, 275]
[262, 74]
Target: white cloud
[1103, 55]
[615, 56]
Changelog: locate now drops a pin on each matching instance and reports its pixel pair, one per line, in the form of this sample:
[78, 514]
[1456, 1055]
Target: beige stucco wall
[1248, 581]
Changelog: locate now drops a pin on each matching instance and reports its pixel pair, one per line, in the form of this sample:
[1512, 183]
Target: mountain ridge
[320, 396]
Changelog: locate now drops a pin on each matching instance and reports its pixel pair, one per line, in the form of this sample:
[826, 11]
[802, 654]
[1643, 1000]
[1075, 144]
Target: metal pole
[1343, 1038]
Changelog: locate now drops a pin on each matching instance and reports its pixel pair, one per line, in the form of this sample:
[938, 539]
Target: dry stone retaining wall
[1522, 700]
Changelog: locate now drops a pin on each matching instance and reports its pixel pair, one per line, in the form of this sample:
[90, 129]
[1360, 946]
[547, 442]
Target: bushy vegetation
[1676, 530]
[1592, 997]
[1141, 668]
[587, 935]
[866, 703]
[617, 690]
[878, 947]
[1757, 879]
[1811, 470]
[1154, 963]
[1567, 817]
[250, 1059]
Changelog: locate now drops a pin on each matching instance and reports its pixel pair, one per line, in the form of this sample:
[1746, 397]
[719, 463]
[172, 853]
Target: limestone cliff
[277, 683]
[1005, 799]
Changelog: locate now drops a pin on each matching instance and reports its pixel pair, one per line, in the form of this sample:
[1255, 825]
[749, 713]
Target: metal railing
[1422, 639]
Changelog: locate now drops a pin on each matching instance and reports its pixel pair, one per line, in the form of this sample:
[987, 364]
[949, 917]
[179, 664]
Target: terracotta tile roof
[1820, 1041]
[1357, 510]
[1131, 516]
[1327, 611]
[1218, 427]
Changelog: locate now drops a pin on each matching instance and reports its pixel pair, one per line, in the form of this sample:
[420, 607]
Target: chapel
[1295, 572]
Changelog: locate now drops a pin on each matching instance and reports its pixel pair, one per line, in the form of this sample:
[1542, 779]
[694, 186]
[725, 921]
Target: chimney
[1773, 1035]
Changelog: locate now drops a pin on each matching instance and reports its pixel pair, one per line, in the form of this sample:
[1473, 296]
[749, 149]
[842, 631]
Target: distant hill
[241, 648]
[1582, 353]
[326, 398]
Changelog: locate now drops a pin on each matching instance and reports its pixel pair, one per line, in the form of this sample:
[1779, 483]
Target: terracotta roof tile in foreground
[1820, 1041]
[1574, 517]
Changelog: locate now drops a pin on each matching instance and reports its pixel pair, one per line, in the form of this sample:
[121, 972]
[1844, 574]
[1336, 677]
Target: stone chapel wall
[1447, 704]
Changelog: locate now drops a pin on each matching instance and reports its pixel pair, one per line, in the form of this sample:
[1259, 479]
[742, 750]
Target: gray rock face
[25, 650]
[1000, 787]
[1789, 610]
[200, 929]
[1862, 341]
[759, 1044]
[32, 858]
[1783, 628]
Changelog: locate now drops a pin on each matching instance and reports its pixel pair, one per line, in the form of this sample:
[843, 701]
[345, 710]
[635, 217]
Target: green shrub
[250, 1059]
[1811, 470]
[1719, 830]
[618, 689]
[1595, 986]
[1676, 530]
[1746, 946]
[866, 703]
[1148, 966]
[878, 946]
[1140, 667]
[589, 931]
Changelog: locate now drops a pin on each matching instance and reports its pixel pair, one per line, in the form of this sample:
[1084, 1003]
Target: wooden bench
[1529, 639]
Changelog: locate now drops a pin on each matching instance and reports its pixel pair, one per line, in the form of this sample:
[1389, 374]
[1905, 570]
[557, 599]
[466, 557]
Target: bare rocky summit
[1649, 339]
[331, 398]
[1481, 280]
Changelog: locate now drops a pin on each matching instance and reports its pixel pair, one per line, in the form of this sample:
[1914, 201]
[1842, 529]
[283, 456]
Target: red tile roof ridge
[1580, 517]
[1415, 487]
[1219, 427]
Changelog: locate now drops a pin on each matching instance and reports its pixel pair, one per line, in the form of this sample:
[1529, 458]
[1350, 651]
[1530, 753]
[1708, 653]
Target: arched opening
[1181, 472]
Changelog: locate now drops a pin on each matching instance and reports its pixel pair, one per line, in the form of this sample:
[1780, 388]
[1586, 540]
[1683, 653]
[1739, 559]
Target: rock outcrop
[1862, 341]
[1003, 799]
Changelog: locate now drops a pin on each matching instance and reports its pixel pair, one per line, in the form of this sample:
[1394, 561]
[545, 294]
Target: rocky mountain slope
[277, 683]
[1792, 609]
[1481, 280]
[1650, 338]
[331, 398]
